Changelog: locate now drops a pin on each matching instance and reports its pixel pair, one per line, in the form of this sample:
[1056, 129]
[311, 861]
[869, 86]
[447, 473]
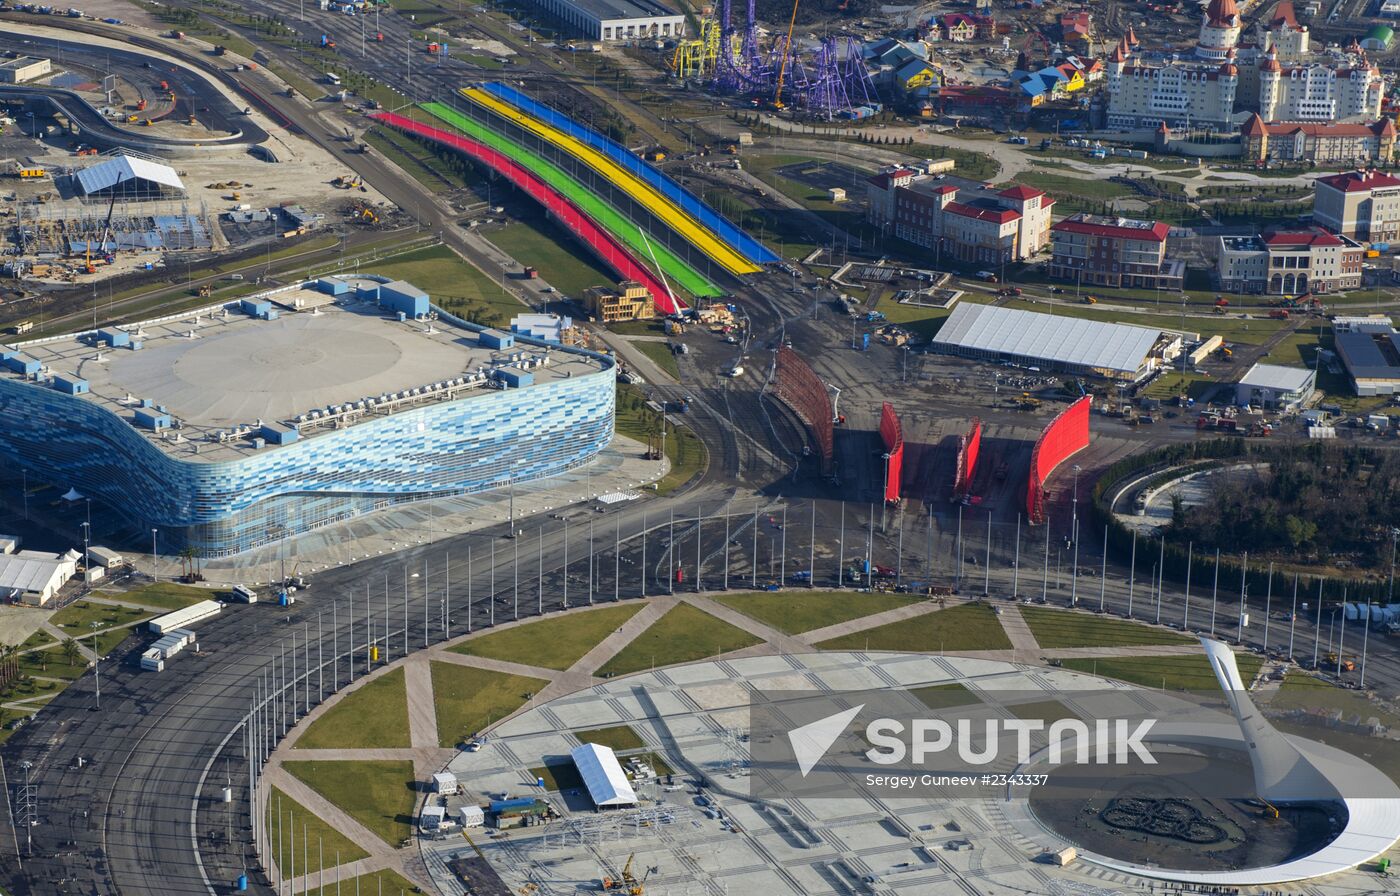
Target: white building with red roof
[969, 221]
[1289, 263]
[1363, 205]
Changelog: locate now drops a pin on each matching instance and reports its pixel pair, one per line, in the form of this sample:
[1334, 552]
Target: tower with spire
[1220, 30]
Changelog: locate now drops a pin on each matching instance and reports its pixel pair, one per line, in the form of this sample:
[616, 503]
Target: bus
[333, 79]
[245, 594]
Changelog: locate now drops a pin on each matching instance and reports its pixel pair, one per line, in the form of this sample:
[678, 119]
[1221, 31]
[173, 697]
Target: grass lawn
[376, 793]
[1234, 329]
[1298, 349]
[1170, 385]
[40, 638]
[1059, 185]
[684, 449]
[543, 244]
[1068, 628]
[616, 737]
[683, 635]
[469, 700]
[454, 284]
[163, 595]
[566, 638]
[1174, 673]
[945, 696]
[413, 160]
[638, 328]
[1046, 710]
[390, 883]
[51, 663]
[558, 776]
[375, 715]
[803, 611]
[968, 627]
[661, 355]
[1301, 691]
[302, 827]
[77, 618]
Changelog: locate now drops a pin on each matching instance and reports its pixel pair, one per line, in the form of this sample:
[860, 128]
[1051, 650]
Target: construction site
[82, 202]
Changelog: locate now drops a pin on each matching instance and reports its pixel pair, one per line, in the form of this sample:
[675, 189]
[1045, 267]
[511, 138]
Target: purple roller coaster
[829, 82]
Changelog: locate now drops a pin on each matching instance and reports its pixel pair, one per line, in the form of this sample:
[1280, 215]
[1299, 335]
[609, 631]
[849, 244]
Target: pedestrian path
[427, 757]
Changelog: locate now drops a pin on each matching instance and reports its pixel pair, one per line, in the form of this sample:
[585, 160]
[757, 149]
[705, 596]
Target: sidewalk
[620, 467]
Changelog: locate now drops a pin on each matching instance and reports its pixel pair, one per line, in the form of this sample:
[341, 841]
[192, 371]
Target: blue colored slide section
[708, 217]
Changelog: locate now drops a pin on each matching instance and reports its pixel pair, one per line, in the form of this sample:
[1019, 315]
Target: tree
[71, 651]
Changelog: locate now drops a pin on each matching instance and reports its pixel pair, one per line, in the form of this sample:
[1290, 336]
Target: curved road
[195, 95]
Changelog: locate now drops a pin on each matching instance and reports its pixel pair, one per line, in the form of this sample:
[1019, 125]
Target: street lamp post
[96, 675]
[87, 558]
[155, 570]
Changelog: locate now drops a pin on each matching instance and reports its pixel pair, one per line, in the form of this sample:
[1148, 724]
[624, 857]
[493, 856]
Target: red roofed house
[971, 223]
[1289, 263]
[1363, 205]
[1119, 252]
[1336, 143]
[959, 27]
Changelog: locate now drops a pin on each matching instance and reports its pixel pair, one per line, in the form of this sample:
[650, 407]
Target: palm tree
[71, 651]
[187, 555]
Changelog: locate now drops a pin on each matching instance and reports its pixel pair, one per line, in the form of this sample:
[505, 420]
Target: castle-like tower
[1220, 31]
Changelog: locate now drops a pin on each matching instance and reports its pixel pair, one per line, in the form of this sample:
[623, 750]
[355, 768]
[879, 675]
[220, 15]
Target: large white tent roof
[1066, 340]
[603, 776]
[33, 572]
[124, 168]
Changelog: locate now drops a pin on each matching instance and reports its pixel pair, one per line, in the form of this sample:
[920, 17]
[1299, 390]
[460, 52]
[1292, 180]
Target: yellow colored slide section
[643, 193]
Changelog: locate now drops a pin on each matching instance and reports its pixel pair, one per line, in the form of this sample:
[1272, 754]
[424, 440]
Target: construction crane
[107, 226]
[627, 882]
[782, 64]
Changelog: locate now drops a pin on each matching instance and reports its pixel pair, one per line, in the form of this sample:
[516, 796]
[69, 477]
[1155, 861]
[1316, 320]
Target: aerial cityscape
[660, 447]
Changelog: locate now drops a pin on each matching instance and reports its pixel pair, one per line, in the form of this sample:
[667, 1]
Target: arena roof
[1063, 340]
[603, 776]
[222, 369]
[108, 174]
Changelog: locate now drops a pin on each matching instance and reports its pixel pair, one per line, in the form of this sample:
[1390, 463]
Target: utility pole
[1215, 593]
[1186, 603]
[1132, 575]
[1016, 564]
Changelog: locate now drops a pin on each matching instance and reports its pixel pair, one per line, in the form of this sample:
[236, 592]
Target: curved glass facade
[469, 444]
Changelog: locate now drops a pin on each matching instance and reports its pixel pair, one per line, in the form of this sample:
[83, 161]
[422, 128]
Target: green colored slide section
[605, 215]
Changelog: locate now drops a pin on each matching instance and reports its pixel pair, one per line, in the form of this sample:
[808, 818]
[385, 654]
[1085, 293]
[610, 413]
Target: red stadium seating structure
[1066, 435]
[799, 387]
[892, 434]
[969, 447]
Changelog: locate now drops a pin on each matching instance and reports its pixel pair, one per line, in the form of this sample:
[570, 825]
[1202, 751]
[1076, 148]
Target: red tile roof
[1157, 233]
[1357, 181]
[1021, 192]
[1302, 238]
[884, 178]
[999, 215]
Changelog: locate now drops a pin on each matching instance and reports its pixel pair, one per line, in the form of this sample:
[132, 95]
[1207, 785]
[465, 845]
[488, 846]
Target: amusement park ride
[827, 82]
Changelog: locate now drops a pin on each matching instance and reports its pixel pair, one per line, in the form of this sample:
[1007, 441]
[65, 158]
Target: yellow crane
[626, 882]
[782, 65]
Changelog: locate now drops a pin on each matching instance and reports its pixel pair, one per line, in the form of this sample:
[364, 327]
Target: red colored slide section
[612, 252]
[1066, 435]
[892, 434]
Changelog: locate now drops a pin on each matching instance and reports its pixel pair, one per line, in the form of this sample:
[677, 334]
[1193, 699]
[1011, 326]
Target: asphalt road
[195, 95]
